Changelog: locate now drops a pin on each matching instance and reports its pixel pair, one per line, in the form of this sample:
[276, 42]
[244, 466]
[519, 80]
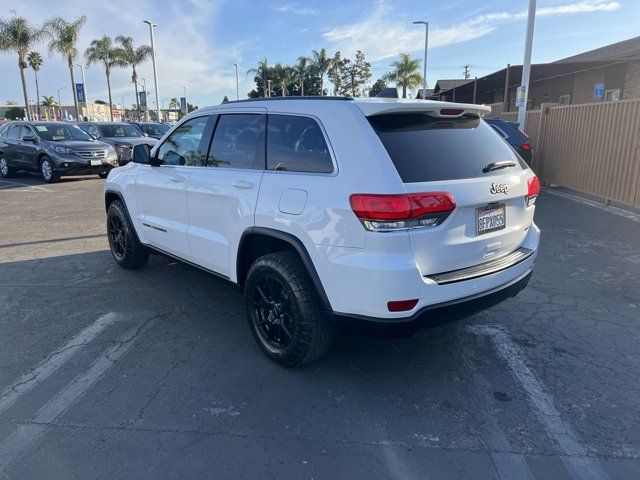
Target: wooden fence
[593, 148]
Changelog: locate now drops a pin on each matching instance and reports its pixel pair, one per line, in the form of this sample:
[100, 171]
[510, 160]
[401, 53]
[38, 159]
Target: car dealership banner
[143, 99]
[80, 93]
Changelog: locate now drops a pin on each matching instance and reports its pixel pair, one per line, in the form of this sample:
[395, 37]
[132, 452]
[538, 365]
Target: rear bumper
[430, 315]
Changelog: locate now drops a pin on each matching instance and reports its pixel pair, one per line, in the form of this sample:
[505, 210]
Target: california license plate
[96, 163]
[491, 218]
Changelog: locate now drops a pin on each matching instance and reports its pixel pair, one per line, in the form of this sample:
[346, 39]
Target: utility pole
[426, 45]
[237, 88]
[186, 104]
[155, 68]
[84, 85]
[526, 65]
[60, 104]
[467, 75]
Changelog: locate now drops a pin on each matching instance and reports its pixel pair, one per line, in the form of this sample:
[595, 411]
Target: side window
[182, 147]
[499, 130]
[236, 142]
[91, 130]
[14, 132]
[296, 144]
[26, 131]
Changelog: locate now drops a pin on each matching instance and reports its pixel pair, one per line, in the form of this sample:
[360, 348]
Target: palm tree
[300, 70]
[16, 35]
[406, 73]
[323, 64]
[129, 56]
[49, 104]
[283, 76]
[63, 37]
[102, 51]
[34, 59]
[174, 104]
[262, 71]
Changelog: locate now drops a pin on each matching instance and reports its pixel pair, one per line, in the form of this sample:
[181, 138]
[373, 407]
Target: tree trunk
[24, 88]
[109, 89]
[73, 88]
[302, 85]
[134, 78]
[404, 91]
[35, 72]
[321, 84]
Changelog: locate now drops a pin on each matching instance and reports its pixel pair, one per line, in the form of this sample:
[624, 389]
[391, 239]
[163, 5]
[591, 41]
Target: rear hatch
[462, 155]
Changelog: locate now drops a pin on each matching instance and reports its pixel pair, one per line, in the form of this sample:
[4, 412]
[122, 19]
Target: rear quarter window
[424, 148]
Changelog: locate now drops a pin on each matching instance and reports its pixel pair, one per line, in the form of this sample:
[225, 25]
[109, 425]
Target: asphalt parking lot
[107, 373]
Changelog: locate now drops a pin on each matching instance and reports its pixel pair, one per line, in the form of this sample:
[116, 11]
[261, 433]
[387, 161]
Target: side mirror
[30, 138]
[142, 154]
[144, 134]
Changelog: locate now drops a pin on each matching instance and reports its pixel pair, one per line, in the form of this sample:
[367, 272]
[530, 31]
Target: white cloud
[381, 38]
[296, 9]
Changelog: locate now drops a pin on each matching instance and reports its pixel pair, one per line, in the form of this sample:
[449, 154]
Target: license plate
[491, 218]
[96, 163]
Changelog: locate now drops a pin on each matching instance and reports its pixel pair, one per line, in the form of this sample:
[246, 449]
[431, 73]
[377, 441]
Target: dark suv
[515, 137]
[151, 129]
[123, 136]
[54, 149]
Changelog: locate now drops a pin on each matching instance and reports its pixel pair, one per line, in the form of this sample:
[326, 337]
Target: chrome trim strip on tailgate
[486, 268]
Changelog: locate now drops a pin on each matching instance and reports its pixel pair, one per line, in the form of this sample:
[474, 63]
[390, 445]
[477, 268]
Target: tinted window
[14, 132]
[182, 147]
[26, 132]
[236, 141]
[156, 129]
[60, 132]
[92, 129]
[297, 144]
[425, 148]
[119, 130]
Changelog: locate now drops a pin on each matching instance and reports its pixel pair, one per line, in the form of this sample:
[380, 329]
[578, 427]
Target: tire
[125, 247]
[103, 174]
[284, 311]
[47, 172]
[5, 170]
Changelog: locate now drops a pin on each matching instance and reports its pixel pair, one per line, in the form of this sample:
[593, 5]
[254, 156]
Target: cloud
[381, 38]
[296, 9]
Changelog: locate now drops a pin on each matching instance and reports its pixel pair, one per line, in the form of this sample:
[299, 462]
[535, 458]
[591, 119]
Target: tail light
[526, 146]
[383, 213]
[533, 189]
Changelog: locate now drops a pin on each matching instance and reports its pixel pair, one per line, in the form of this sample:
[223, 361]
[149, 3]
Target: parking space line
[53, 362]
[25, 185]
[26, 435]
[574, 457]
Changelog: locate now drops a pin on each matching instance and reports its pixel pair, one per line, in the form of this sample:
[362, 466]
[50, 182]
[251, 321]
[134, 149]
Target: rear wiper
[498, 165]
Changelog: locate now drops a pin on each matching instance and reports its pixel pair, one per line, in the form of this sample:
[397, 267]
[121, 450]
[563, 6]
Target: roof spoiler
[435, 109]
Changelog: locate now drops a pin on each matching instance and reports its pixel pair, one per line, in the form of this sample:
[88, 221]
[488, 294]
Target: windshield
[156, 129]
[60, 133]
[119, 130]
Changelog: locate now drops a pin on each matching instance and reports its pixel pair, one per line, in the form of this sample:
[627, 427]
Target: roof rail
[269, 99]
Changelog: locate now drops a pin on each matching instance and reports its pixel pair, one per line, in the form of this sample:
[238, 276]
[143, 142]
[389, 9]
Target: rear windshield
[154, 128]
[428, 149]
[119, 130]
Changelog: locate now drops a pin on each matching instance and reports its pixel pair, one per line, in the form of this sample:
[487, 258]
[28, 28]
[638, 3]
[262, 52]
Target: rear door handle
[243, 184]
[177, 179]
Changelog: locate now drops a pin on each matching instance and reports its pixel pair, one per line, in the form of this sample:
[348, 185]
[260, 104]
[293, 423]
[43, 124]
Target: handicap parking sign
[598, 90]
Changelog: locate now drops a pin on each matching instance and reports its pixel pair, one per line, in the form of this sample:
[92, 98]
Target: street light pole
[526, 64]
[60, 104]
[124, 109]
[186, 104]
[237, 88]
[426, 45]
[155, 68]
[269, 89]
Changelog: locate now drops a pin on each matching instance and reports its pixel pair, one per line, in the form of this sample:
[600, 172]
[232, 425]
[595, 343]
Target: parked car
[372, 215]
[151, 129]
[121, 135]
[515, 137]
[54, 149]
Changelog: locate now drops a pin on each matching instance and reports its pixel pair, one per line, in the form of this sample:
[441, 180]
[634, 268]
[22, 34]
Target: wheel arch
[258, 241]
[111, 196]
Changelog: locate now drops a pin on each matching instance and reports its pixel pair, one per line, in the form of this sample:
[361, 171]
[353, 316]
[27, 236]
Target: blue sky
[198, 41]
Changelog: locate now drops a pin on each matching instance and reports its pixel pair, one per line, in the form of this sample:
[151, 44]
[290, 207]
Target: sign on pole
[598, 91]
[80, 93]
[520, 96]
[143, 99]
[183, 103]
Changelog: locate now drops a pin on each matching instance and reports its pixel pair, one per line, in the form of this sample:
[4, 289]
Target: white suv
[380, 215]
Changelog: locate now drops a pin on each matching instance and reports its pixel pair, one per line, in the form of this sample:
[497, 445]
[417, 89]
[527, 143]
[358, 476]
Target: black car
[123, 136]
[54, 149]
[515, 137]
[152, 129]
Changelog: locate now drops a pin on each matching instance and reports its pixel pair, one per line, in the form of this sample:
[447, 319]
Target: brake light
[395, 212]
[525, 146]
[533, 189]
[401, 305]
[451, 111]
